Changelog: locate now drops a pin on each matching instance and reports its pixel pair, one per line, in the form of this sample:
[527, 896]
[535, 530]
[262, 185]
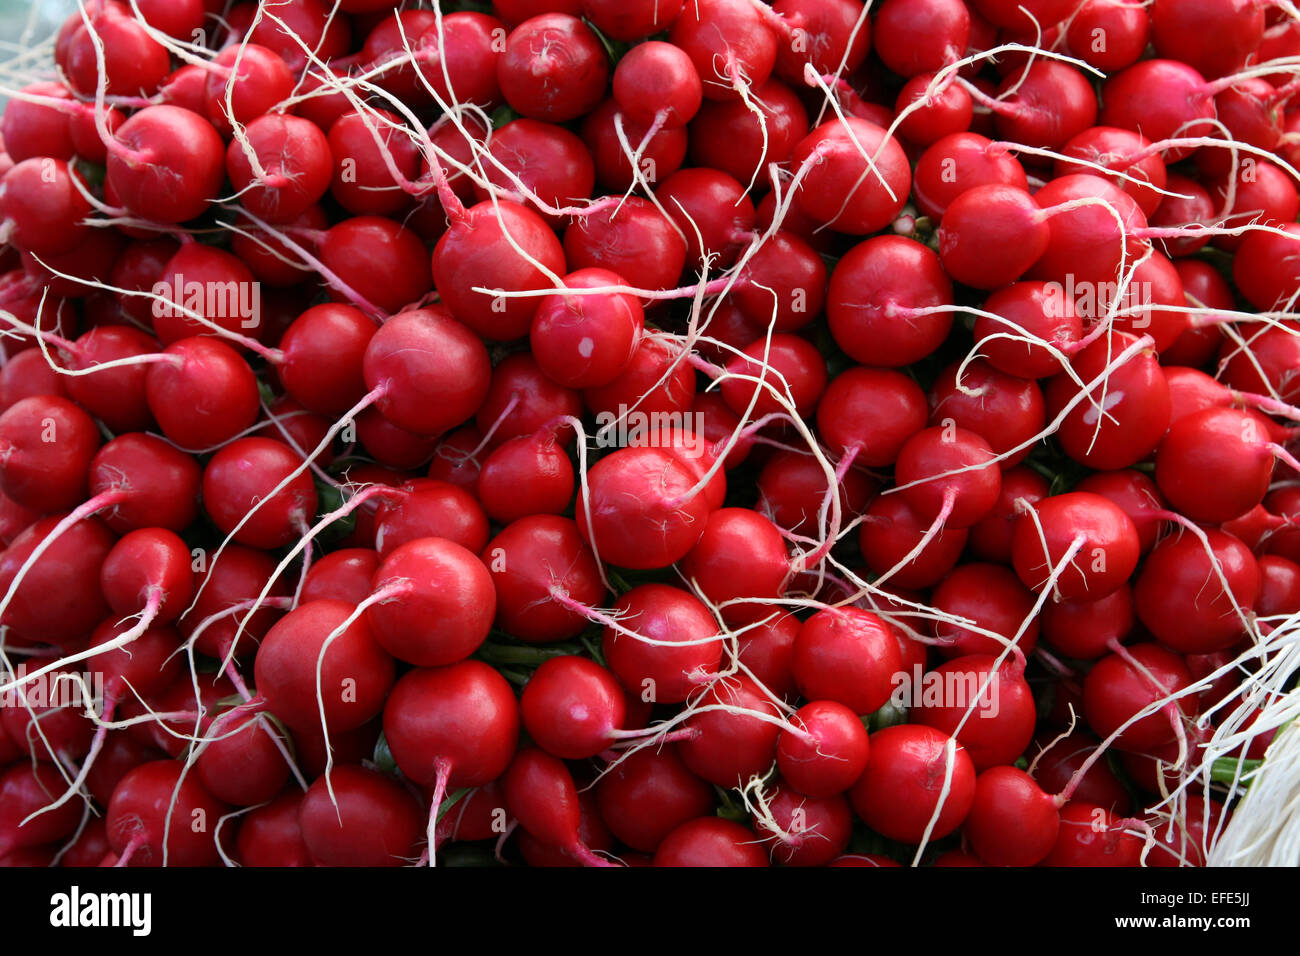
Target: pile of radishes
[615, 432]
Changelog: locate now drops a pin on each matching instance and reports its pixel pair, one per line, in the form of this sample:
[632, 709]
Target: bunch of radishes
[615, 432]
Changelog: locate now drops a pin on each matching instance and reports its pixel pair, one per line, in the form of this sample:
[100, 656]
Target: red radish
[46, 447]
[932, 115]
[730, 45]
[38, 128]
[1115, 691]
[635, 241]
[1090, 835]
[1125, 409]
[648, 794]
[243, 767]
[151, 483]
[253, 472]
[739, 562]
[204, 396]
[586, 341]
[41, 209]
[914, 37]
[1084, 629]
[1183, 31]
[993, 706]
[454, 726]
[144, 561]
[359, 818]
[839, 189]
[711, 210]
[1046, 105]
[1219, 448]
[553, 68]
[919, 784]
[744, 139]
[270, 835]
[541, 795]
[793, 490]
[155, 816]
[379, 259]
[1086, 241]
[833, 756]
[848, 656]
[947, 475]
[115, 396]
[711, 842]
[253, 81]
[572, 707]
[1011, 822]
[1193, 204]
[1083, 524]
[661, 524]
[58, 599]
[471, 254]
[657, 79]
[657, 379]
[958, 162]
[991, 536]
[788, 364]
[432, 371]
[540, 570]
[167, 164]
[623, 20]
[552, 164]
[323, 351]
[832, 37]
[1136, 495]
[1109, 34]
[522, 401]
[870, 414]
[666, 643]
[134, 63]
[342, 575]
[426, 508]
[662, 155]
[432, 604]
[459, 57]
[1182, 600]
[227, 587]
[294, 155]
[734, 733]
[1124, 151]
[1160, 99]
[1058, 763]
[26, 789]
[309, 675]
[891, 534]
[993, 598]
[361, 144]
[803, 830]
[1006, 411]
[878, 301]
[783, 282]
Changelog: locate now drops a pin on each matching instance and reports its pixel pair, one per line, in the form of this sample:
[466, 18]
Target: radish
[1221, 448]
[1181, 597]
[1120, 686]
[990, 538]
[993, 598]
[1160, 99]
[295, 162]
[133, 63]
[36, 127]
[320, 665]
[712, 842]
[789, 365]
[918, 784]
[553, 165]
[744, 140]
[359, 818]
[454, 726]
[635, 241]
[58, 599]
[382, 262]
[432, 603]
[626, 21]
[734, 733]
[166, 164]
[156, 816]
[1183, 31]
[1078, 523]
[427, 508]
[662, 643]
[243, 767]
[25, 789]
[803, 830]
[41, 208]
[650, 793]
[46, 447]
[145, 482]
[834, 755]
[544, 576]
[572, 707]
[986, 706]
[553, 68]
[466, 45]
[958, 162]
[361, 144]
[586, 341]
[927, 115]
[432, 357]
[711, 209]
[541, 795]
[1090, 835]
[254, 471]
[662, 522]
[874, 286]
[1084, 629]
[848, 656]
[840, 189]
[1011, 821]
[251, 82]
[739, 562]
[913, 552]
[993, 216]
[471, 255]
[912, 37]
[626, 152]
[831, 36]
[654, 80]
[1109, 34]
[730, 44]
[870, 414]
[270, 835]
[226, 589]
